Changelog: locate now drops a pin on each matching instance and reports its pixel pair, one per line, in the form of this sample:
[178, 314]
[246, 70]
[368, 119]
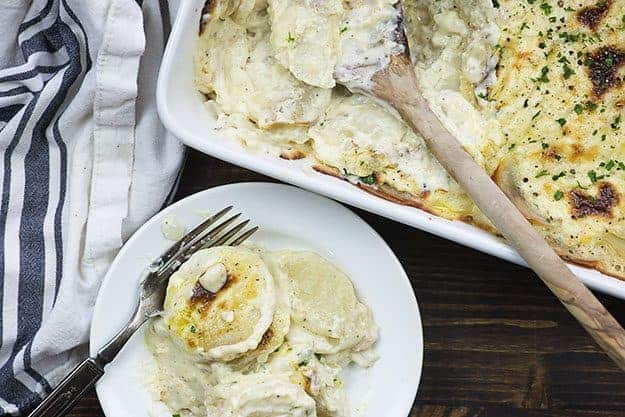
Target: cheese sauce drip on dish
[217, 354]
[533, 90]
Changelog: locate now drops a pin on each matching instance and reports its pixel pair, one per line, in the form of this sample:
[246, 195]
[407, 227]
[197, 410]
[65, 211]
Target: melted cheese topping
[238, 66]
[368, 40]
[360, 137]
[192, 312]
[318, 327]
[271, 396]
[305, 37]
[533, 90]
[565, 145]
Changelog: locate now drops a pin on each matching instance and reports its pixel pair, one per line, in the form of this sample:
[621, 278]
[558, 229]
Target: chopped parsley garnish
[175, 415]
[546, 8]
[369, 179]
[578, 108]
[496, 4]
[536, 115]
[594, 177]
[591, 105]
[343, 29]
[558, 195]
[542, 173]
[193, 329]
[485, 97]
[581, 186]
[617, 123]
[561, 121]
[569, 37]
[610, 164]
[558, 176]
[568, 71]
[290, 38]
[511, 147]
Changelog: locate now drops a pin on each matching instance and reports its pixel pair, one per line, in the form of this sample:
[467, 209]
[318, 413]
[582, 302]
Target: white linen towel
[84, 162]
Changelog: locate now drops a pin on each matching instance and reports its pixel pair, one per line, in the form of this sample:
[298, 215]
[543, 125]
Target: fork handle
[63, 398]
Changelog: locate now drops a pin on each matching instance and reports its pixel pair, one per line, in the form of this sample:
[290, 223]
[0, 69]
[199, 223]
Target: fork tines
[203, 236]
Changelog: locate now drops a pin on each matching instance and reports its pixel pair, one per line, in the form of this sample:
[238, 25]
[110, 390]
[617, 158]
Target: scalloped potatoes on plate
[249, 332]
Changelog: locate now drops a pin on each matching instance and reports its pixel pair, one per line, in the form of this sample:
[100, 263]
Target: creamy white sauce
[214, 278]
[228, 316]
[455, 62]
[368, 41]
[260, 394]
[172, 228]
[297, 380]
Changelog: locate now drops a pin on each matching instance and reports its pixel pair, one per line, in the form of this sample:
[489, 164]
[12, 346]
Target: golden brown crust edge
[397, 197]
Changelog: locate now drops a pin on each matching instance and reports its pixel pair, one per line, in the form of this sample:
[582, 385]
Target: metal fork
[149, 304]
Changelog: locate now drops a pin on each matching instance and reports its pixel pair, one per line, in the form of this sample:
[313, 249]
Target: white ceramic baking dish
[182, 111]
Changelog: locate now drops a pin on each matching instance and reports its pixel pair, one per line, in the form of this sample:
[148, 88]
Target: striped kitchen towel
[84, 161]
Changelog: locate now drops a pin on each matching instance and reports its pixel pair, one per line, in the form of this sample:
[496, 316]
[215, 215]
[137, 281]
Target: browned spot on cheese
[292, 154]
[521, 59]
[306, 386]
[399, 34]
[577, 152]
[603, 66]
[208, 9]
[266, 338]
[583, 204]
[552, 153]
[324, 169]
[202, 297]
[592, 16]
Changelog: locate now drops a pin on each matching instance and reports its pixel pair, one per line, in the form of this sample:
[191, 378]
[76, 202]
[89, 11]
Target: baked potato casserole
[533, 89]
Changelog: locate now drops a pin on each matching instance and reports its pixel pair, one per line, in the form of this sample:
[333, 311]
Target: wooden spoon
[397, 85]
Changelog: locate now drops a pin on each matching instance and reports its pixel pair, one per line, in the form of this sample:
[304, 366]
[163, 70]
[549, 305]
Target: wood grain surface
[497, 343]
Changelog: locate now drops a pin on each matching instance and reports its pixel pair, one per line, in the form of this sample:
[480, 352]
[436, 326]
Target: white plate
[288, 218]
[182, 111]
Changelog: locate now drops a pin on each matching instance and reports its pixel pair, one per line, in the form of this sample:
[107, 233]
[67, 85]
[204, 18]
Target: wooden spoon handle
[398, 86]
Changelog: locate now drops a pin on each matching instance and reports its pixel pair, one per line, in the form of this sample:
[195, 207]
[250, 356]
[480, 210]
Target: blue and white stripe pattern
[47, 94]
[54, 48]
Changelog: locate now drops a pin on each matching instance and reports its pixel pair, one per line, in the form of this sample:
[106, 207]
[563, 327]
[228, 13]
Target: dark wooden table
[497, 343]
